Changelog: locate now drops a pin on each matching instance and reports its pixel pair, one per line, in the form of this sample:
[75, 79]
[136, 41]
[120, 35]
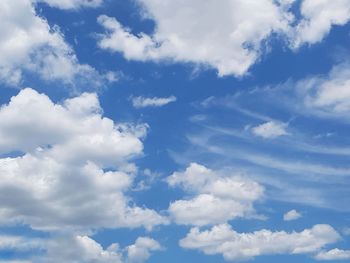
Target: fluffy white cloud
[231, 42]
[79, 249]
[270, 129]
[222, 239]
[28, 44]
[291, 215]
[142, 102]
[141, 250]
[71, 4]
[194, 32]
[329, 94]
[334, 254]
[61, 181]
[217, 198]
[318, 17]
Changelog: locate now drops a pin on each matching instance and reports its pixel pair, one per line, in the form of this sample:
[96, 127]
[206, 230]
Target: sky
[174, 131]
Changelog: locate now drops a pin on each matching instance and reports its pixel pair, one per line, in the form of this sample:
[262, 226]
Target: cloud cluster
[216, 198]
[74, 168]
[222, 239]
[28, 44]
[230, 43]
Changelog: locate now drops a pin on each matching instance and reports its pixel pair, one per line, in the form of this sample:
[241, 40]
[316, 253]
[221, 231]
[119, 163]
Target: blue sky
[174, 131]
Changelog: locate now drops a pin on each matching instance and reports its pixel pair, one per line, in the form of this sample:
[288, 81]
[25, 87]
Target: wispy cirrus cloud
[144, 102]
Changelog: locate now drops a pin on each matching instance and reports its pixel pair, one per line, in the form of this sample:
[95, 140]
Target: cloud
[216, 198]
[78, 248]
[28, 44]
[318, 17]
[270, 130]
[291, 215]
[328, 94]
[141, 250]
[18, 243]
[72, 4]
[230, 43]
[334, 254]
[142, 102]
[222, 239]
[66, 147]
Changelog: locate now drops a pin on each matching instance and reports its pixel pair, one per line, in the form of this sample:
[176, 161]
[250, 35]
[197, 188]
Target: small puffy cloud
[71, 4]
[222, 239]
[270, 130]
[28, 44]
[141, 250]
[334, 254]
[66, 147]
[214, 198]
[291, 215]
[142, 102]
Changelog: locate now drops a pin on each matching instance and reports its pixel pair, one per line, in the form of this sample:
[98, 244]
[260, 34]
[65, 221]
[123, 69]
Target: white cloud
[330, 94]
[292, 215]
[270, 129]
[230, 42]
[217, 198]
[141, 250]
[334, 254]
[318, 17]
[222, 239]
[28, 44]
[72, 4]
[142, 102]
[67, 147]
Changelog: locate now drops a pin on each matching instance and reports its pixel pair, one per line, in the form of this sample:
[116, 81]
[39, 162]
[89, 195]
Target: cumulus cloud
[142, 102]
[291, 215]
[11, 242]
[270, 129]
[318, 17]
[141, 250]
[231, 42]
[74, 168]
[334, 254]
[28, 44]
[215, 198]
[78, 248]
[222, 239]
